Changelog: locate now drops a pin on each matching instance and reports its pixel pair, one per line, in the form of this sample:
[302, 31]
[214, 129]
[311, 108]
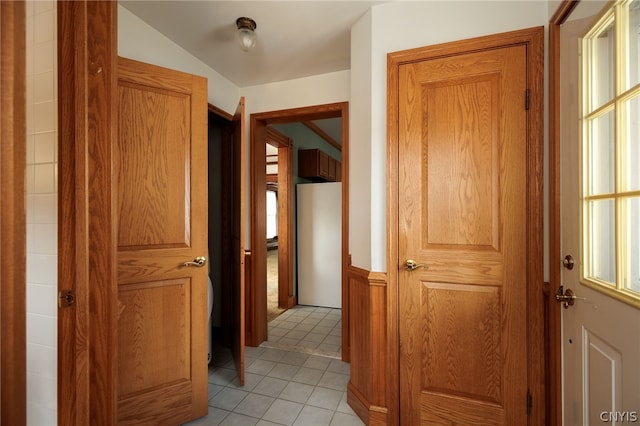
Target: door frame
[284, 185]
[554, 326]
[256, 286]
[13, 343]
[533, 39]
[87, 252]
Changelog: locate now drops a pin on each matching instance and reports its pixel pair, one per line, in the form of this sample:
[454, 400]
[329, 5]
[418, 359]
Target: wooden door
[237, 238]
[600, 333]
[462, 213]
[161, 164]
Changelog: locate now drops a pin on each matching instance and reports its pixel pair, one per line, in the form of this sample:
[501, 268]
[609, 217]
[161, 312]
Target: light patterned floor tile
[235, 419]
[297, 392]
[334, 381]
[254, 405]
[270, 386]
[227, 399]
[283, 412]
[342, 419]
[308, 376]
[325, 398]
[314, 416]
[283, 371]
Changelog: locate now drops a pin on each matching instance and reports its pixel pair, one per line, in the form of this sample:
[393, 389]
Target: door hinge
[529, 402]
[66, 298]
[527, 99]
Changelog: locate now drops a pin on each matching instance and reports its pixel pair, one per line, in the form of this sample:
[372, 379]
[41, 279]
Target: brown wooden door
[161, 160]
[237, 237]
[462, 214]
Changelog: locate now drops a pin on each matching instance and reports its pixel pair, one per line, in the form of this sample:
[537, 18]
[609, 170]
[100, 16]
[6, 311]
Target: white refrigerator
[319, 242]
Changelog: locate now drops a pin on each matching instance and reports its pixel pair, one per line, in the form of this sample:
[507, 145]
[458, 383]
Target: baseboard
[371, 415]
[358, 403]
[293, 301]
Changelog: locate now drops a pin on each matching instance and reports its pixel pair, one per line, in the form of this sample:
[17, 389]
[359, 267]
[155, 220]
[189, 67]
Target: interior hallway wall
[42, 220]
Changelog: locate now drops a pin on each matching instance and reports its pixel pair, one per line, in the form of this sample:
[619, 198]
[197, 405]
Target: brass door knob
[198, 262]
[566, 297]
[411, 265]
[568, 262]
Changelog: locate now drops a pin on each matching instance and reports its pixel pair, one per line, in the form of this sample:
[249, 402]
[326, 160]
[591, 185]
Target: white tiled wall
[42, 200]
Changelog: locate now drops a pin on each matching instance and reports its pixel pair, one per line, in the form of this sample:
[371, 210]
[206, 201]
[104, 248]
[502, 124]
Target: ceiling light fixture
[246, 34]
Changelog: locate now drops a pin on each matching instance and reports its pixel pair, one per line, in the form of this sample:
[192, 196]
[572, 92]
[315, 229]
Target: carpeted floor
[272, 285]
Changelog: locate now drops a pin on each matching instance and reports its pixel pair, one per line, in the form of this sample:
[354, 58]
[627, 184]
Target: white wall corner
[360, 125]
[140, 41]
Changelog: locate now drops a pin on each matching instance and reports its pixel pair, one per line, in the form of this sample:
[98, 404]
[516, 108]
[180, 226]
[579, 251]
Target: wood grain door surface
[462, 214]
[161, 158]
[238, 244]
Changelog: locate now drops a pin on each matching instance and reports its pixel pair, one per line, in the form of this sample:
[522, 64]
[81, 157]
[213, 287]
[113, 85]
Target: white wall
[404, 25]
[138, 40]
[301, 92]
[360, 231]
[42, 217]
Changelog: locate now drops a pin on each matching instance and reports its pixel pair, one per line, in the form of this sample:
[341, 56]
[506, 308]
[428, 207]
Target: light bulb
[246, 35]
[246, 38]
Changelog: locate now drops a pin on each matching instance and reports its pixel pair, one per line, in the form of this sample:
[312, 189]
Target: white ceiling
[295, 38]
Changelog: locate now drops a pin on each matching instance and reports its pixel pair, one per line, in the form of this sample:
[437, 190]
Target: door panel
[469, 215]
[462, 216]
[157, 164]
[160, 312]
[444, 321]
[162, 223]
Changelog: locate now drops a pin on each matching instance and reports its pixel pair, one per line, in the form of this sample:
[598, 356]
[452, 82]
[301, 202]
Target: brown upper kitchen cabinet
[317, 165]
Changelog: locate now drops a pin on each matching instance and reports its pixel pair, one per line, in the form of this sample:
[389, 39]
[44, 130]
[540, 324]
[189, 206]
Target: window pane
[272, 215]
[601, 155]
[602, 241]
[601, 68]
[631, 247]
[634, 44]
[630, 154]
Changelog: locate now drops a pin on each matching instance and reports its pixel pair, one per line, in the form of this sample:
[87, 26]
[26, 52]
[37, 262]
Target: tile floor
[295, 378]
[308, 329]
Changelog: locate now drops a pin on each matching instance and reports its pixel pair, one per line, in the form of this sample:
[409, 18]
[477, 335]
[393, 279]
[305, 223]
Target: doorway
[273, 250]
[256, 327]
[224, 214]
[279, 222]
